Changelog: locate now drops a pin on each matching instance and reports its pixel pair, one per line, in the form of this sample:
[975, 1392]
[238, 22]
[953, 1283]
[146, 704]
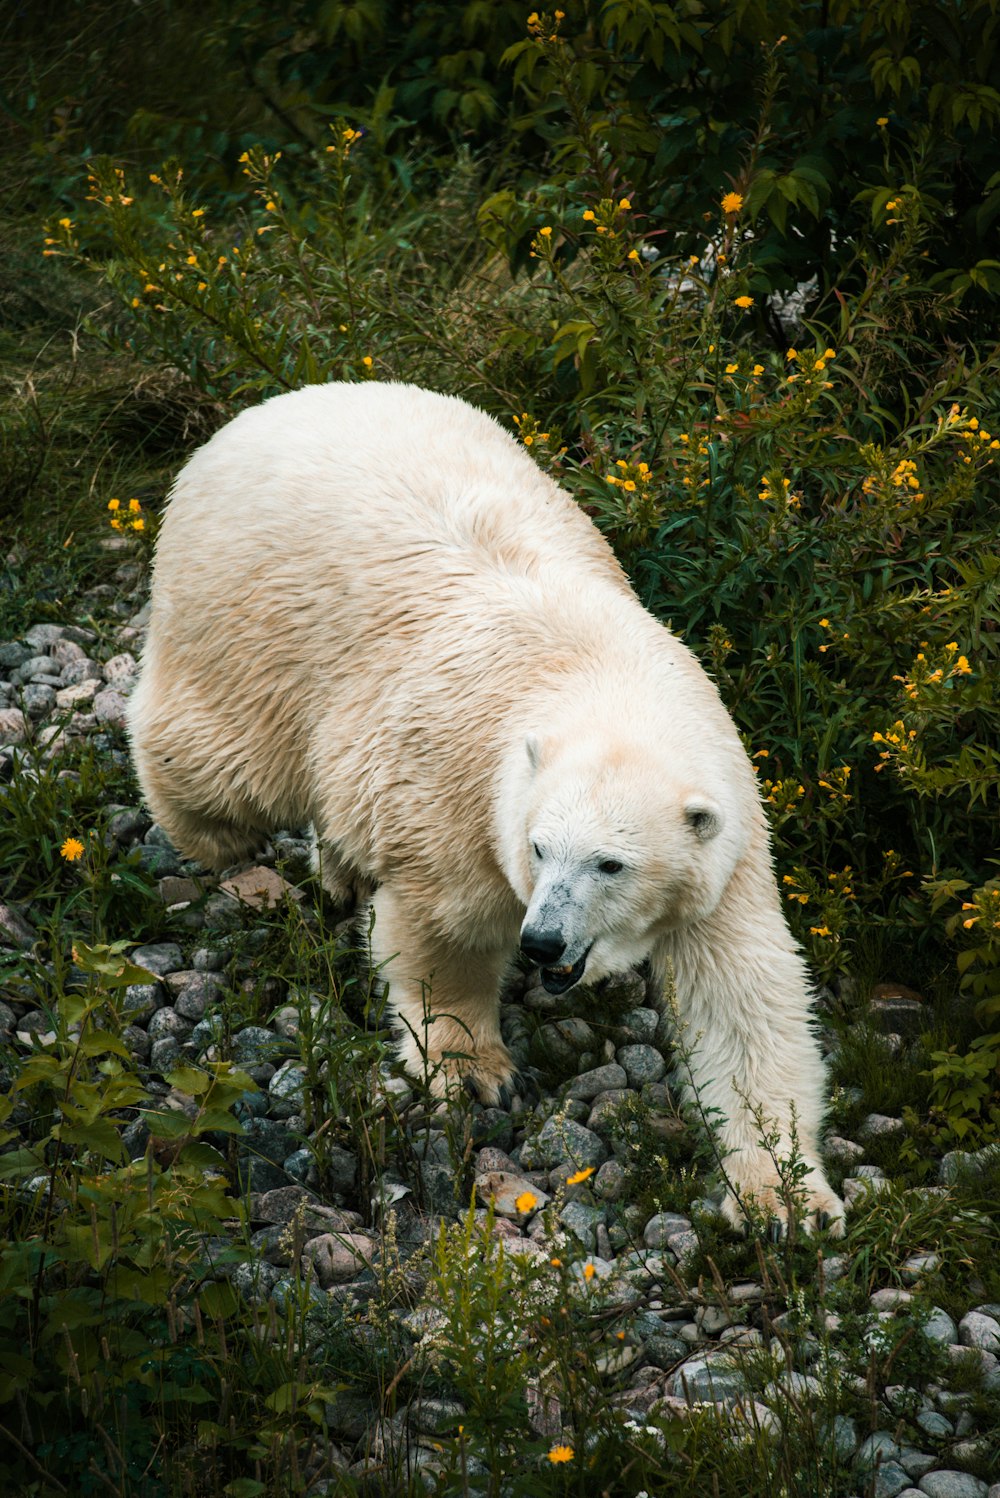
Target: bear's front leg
[446, 999]
[743, 1007]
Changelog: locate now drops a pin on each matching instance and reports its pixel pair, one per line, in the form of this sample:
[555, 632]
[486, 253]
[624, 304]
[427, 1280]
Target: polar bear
[371, 610]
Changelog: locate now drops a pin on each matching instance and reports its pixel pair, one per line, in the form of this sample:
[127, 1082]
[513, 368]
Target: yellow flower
[629, 485]
[114, 504]
[732, 202]
[882, 121]
[134, 506]
[791, 354]
[72, 849]
[744, 302]
[367, 361]
[624, 206]
[633, 254]
[758, 369]
[546, 231]
[589, 215]
[139, 525]
[561, 1454]
[526, 1201]
[962, 667]
[588, 1272]
[580, 1175]
[820, 930]
[731, 368]
[200, 212]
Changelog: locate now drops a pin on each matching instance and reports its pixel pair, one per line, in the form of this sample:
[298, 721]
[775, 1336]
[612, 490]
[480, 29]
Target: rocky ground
[558, 1175]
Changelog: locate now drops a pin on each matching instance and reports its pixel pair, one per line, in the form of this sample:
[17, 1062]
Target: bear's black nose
[543, 947]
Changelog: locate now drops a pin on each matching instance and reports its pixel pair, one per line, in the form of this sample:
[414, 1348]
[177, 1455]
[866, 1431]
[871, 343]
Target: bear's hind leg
[342, 881]
[445, 999]
[214, 842]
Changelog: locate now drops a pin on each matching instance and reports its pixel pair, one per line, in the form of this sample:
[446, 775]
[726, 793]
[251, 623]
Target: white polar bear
[371, 610]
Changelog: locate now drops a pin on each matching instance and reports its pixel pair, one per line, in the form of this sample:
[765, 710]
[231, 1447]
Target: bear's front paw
[486, 1075]
[759, 1193]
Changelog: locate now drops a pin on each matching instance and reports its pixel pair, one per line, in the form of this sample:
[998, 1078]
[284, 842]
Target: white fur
[372, 611]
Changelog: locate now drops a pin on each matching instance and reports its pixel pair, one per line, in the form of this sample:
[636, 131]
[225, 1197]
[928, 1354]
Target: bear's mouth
[559, 979]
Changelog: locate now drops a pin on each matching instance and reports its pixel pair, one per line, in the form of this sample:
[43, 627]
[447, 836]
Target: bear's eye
[610, 866]
[536, 850]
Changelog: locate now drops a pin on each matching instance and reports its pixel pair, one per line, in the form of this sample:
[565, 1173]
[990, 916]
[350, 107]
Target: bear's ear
[533, 749]
[704, 818]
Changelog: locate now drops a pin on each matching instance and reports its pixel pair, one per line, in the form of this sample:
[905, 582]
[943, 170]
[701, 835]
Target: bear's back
[392, 473]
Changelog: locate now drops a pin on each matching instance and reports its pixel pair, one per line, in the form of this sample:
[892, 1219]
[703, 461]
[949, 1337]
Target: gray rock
[63, 651]
[120, 669]
[38, 700]
[841, 1434]
[610, 1181]
[582, 1221]
[13, 655]
[505, 1189]
[165, 1054]
[977, 1330]
[127, 824]
[254, 1044]
[888, 1481]
[194, 992]
[14, 726]
[915, 1463]
[77, 695]
[950, 1484]
[642, 1063]
[142, 1000]
[158, 957]
[561, 1139]
[932, 1424]
[881, 1446]
[917, 1266]
[890, 1299]
[966, 1164]
[561, 1042]
[110, 708]
[286, 1090]
[880, 1124]
[42, 636]
[663, 1350]
[703, 1379]
[208, 960]
[799, 1386]
[166, 1021]
[339, 1257]
[599, 1079]
[15, 931]
[38, 665]
[603, 1117]
[8, 1019]
[75, 672]
[684, 1245]
[940, 1327]
[660, 1228]
[639, 1026]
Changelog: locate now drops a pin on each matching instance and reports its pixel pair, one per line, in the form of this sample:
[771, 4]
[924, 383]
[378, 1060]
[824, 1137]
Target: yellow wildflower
[732, 202]
[731, 368]
[624, 206]
[580, 1175]
[589, 215]
[367, 361]
[546, 231]
[561, 1454]
[744, 302]
[633, 254]
[526, 1202]
[588, 1272]
[72, 849]
[882, 121]
[114, 504]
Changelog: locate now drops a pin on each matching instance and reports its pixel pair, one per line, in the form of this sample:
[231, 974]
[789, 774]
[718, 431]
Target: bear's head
[609, 849]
